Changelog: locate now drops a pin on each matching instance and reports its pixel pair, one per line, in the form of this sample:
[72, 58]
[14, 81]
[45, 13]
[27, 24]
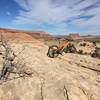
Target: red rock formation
[15, 35]
[74, 36]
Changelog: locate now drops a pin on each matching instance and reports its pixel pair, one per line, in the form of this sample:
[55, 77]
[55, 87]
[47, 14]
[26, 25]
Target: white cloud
[23, 4]
[56, 12]
[84, 4]
[44, 11]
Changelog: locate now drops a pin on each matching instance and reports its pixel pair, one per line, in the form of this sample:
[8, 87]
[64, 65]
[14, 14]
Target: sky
[57, 17]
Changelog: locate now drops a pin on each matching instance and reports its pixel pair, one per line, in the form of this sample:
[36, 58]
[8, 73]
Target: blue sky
[53, 16]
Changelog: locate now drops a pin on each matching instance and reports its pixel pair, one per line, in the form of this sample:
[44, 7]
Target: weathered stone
[68, 77]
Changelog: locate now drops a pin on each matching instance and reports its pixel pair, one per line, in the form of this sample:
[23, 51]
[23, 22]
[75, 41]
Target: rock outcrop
[68, 77]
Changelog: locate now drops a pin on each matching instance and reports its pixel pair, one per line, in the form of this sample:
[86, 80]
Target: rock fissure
[41, 90]
[66, 93]
[98, 71]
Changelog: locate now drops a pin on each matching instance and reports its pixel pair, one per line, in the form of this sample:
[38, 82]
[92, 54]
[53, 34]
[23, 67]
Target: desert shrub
[83, 44]
[80, 52]
[94, 43]
[9, 64]
[96, 53]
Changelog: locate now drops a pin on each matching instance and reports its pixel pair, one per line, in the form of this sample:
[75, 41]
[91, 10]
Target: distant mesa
[39, 34]
[21, 35]
[75, 36]
[18, 36]
[71, 36]
[27, 36]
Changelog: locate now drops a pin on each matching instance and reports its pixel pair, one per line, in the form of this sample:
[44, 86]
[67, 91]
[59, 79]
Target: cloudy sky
[52, 16]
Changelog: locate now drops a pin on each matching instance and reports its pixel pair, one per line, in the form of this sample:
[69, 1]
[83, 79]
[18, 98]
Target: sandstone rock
[68, 77]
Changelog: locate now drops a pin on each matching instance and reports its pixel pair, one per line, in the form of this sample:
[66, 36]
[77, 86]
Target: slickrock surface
[68, 77]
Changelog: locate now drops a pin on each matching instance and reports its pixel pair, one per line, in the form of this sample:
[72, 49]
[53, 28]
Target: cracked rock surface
[68, 77]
